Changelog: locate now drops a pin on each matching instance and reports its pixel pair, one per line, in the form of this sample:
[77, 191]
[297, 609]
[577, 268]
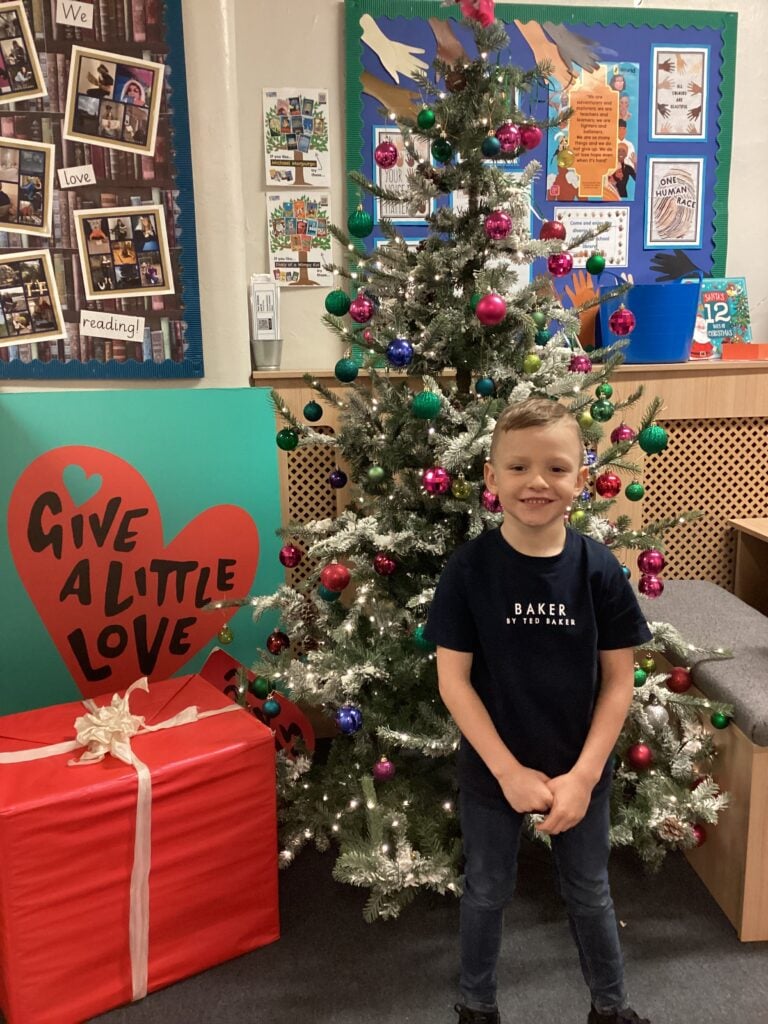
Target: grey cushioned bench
[733, 863]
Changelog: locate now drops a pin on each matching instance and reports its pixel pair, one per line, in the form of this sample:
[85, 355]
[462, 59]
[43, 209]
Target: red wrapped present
[122, 876]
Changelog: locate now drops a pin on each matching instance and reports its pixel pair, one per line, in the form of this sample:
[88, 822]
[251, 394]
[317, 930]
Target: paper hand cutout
[573, 48]
[670, 266]
[397, 58]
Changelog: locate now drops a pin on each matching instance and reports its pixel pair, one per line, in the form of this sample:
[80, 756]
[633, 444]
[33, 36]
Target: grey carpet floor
[684, 962]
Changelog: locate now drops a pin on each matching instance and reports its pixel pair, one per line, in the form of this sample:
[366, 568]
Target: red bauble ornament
[651, 561]
[622, 321]
[290, 556]
[490, 501]
[368, 335]
[608, 485]
[385, 154]
[679, 680]
[491, 309]
[436, 480]
[650, 586]
[640, 756]
[580, 364]
[509, 137]
[530, 136]
[559, 264]
[551, 230]
[335, 577]
[384, 564]
[277, 642]
[383, 770]
[497, 225]
[361, 309]
[622, 433]
[699, 834]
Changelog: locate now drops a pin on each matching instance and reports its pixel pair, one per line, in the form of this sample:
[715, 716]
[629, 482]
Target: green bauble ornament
[578, 517]
[647, 664]
[601, 410]
[640, 677]
[442, 150]
[376, 474]
[461, 489]
[634, 491]
[653, 439]
[337, 302]
[421, 641]
[360, 223]
[313, 411]
[426, 405]
[596, 263]
[346, 370]
[476, 296]
[260, 687]
[542, 337]
[327, 595]
[287, 439]
[531, 363]
[719, 720]
[604, 390]
[539, 318]
[425, 119]
[584, 419]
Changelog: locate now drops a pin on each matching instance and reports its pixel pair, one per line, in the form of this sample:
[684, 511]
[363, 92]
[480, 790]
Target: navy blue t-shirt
[534, 627]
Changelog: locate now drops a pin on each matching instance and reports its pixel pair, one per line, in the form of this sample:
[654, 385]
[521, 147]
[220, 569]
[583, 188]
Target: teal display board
[115, 503]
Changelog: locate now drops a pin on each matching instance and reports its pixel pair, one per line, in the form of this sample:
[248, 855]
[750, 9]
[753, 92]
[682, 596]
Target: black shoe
[467, 1016]
[625, 1016]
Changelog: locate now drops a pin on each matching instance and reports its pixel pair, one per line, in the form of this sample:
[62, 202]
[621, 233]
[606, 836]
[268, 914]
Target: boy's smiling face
[536, 473]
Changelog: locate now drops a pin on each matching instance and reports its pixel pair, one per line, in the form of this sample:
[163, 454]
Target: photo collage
[124, 250]
[294, 123]
[20, 75]
[29, 304]
[25, 187]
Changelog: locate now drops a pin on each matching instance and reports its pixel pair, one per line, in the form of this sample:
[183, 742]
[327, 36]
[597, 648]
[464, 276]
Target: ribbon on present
[107, 730]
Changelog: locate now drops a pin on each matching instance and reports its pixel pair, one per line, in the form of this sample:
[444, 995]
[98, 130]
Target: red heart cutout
[117, 601]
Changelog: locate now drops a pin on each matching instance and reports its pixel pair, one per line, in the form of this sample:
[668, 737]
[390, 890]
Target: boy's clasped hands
[565, 798]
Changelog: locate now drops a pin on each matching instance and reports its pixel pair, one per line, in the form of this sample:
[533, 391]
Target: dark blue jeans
[491, 831]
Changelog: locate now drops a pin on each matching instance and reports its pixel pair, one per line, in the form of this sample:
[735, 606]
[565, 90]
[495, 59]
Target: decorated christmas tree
[452, 331]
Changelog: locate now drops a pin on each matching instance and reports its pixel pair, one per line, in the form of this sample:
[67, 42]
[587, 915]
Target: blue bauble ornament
[400, 352]
[626, 570]
[271, 708]
[337, 478]
[484, 386]
[590, 457]
[490, 147]
[328, 595]
[349, 719]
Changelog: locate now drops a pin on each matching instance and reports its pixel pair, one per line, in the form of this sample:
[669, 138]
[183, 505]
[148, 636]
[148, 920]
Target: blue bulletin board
[664, 185]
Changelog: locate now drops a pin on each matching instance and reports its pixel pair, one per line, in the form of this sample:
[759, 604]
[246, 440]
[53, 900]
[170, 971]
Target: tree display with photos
[455, 331]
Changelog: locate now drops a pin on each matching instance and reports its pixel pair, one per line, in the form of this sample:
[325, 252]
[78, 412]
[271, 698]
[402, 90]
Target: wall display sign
[395, 178]
[637, 80]
[296, 137]
[299, 238]
[98, 145]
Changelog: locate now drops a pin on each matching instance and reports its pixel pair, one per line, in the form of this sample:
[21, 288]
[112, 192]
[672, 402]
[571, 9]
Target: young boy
[535, 626]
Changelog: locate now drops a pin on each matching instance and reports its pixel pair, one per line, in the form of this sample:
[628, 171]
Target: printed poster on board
[296, 137]
[299, 239]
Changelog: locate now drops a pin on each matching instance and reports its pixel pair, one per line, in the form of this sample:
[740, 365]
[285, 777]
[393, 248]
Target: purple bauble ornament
[490, 501]
[361, 309]
[491, 309]
[509, 137]
[385, 154]
[559, 264]
[497, 225]
[622, 433]
[383, 770]
[436, 480]
[651, 561]
[650, 586]
[580, 364]
[384, 564]
[530, 136]
[290, 556]
[400, 352]
[622, 321]
[337, 478]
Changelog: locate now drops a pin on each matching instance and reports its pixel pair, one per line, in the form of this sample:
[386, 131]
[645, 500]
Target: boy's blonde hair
[533, 412]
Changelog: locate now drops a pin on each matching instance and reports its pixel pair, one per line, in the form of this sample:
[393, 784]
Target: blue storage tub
[666, 317]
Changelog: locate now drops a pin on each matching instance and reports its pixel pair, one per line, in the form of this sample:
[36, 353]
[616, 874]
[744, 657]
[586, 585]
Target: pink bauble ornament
[436, 480]
[530, 136]
[383, 770]
[361, 309]
[384, 564]
[335, 577]
[580, 364]
[509, 137]
[640, 756]
[622, 321]
[679, 680]
[491, 309]
[651, 561]
[497, 225]
[551, 230]
[385, 154]
[622, 433]
[608, 485]
[368, 335]
[490, 501]
[699, 834]
[650, 586]
[559, 264]
[290, 556]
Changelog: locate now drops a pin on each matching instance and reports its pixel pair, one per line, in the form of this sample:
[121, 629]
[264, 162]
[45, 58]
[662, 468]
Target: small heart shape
[80, 486]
